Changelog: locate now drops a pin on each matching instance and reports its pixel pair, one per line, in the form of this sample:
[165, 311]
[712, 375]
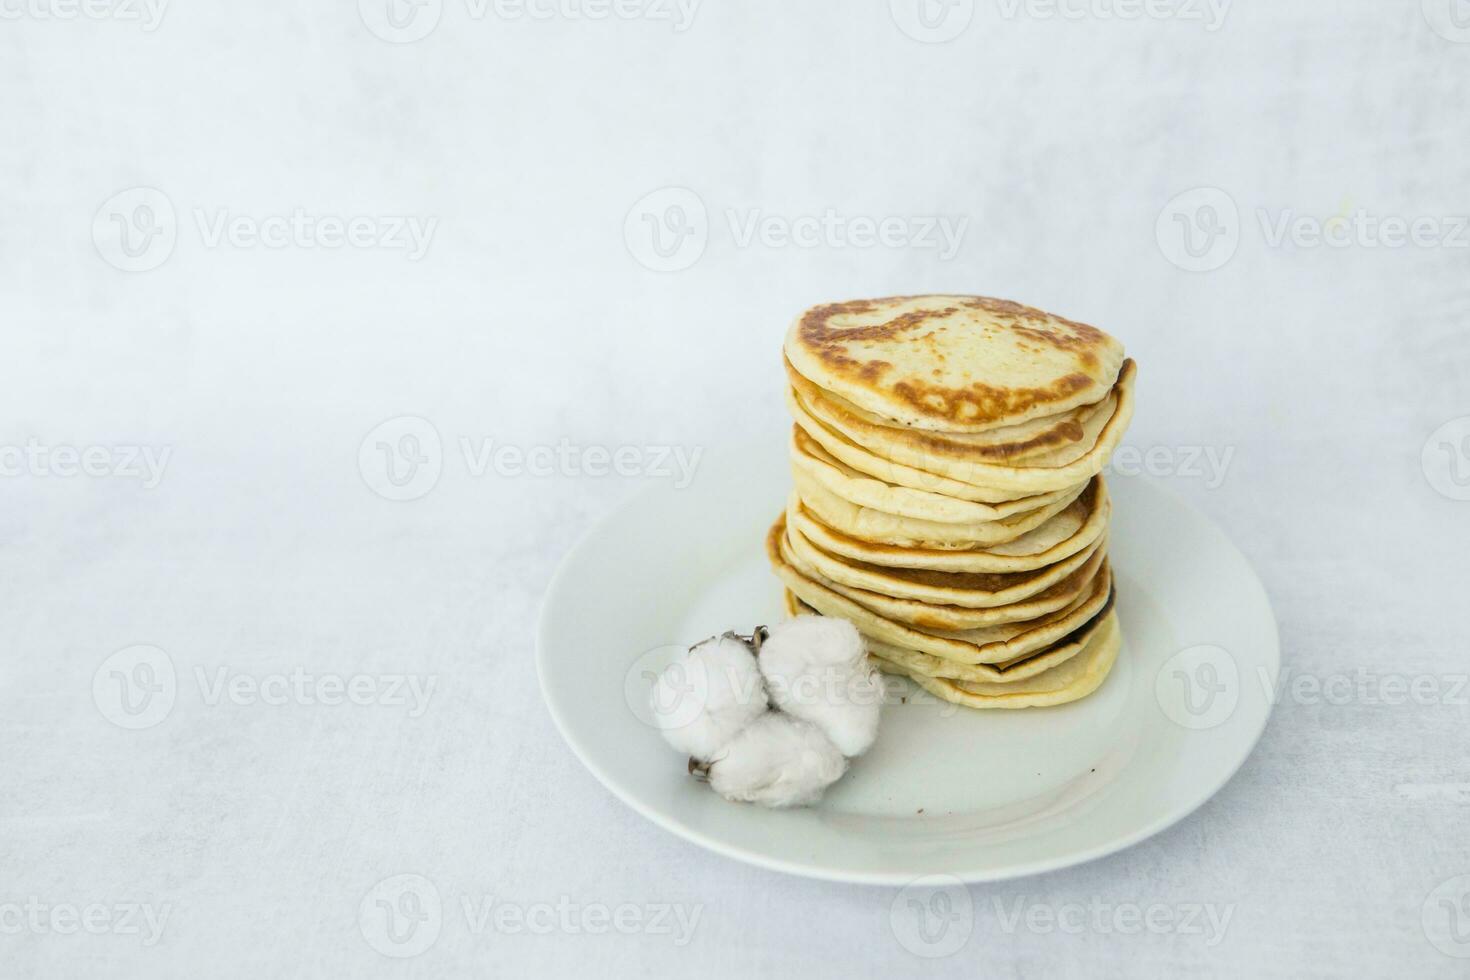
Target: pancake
[1066, 443]
[911, 458]
[984, 645]
[911, 662]
[891, 471]
[1005, 442]
[1072, 679]
[929, 616]
[859, 488]
[896, 529]
[947, 495]
[1069, 531]
[953, 363]
[969, 590]
[944, 618]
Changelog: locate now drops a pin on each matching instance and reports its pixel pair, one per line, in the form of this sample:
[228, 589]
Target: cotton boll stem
[754, 641]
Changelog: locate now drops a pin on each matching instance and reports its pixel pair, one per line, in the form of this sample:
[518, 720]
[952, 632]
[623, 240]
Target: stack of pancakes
[946, 458]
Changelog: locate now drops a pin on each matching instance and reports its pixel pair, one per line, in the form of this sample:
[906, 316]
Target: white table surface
[258, 828]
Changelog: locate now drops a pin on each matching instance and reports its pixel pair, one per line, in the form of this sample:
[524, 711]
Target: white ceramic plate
[979, 795]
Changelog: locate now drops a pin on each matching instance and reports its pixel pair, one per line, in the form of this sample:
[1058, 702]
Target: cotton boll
[703, 699]
[816, 668]
[777, 761]
[825, 640]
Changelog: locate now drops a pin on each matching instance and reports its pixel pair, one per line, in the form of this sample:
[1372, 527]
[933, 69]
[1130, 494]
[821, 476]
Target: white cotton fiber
[703, 699]
[777, 761]
[816, 668]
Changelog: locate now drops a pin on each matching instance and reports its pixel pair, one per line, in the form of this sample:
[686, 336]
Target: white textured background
[530, 320]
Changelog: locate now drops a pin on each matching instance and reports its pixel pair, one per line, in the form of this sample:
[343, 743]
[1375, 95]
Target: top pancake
[953, 363]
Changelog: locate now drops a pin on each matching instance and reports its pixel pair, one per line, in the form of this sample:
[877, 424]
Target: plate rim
[895, 878]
